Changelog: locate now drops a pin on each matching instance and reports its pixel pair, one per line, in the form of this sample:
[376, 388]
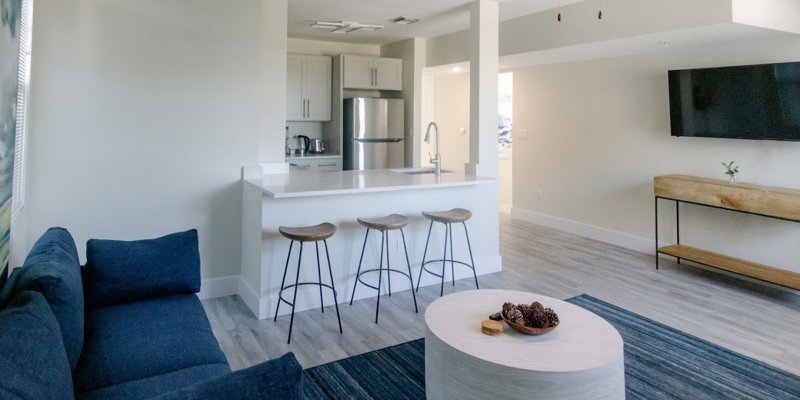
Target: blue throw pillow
[53, 269]
[120, 271]
[33, 361]
[281, 378]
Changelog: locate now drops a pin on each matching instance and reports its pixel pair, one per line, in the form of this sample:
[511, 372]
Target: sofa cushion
[275, 379]
[53, 269]
[131, 341]
[147, 388]
[33, 361]
[119, 271]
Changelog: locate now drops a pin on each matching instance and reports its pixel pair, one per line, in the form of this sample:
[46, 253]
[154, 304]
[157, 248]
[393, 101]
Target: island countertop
[306, 183]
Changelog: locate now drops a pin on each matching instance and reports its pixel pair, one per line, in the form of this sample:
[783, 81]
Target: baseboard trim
[219, 287]
[250, 298]
[617, 238]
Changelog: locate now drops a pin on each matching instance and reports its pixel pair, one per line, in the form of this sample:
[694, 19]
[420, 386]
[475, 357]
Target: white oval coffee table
[581, 359]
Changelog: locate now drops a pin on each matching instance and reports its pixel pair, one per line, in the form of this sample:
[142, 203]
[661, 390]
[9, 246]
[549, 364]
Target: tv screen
[741, 102]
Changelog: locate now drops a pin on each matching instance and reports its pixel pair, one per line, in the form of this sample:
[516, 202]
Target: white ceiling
[438, 17]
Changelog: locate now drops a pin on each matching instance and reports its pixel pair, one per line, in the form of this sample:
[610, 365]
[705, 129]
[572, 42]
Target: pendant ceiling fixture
[599, 11]
[345, 26]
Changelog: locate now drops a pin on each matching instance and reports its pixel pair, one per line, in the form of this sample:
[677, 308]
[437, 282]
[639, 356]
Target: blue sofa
[127, 325]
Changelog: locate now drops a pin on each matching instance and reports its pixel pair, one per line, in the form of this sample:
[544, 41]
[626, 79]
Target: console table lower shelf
[754, 270]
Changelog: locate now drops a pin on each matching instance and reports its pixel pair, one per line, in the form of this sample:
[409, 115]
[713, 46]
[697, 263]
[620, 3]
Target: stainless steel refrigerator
[373, 134]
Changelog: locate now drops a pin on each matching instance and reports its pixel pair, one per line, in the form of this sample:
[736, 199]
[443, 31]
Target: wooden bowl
[527, 330]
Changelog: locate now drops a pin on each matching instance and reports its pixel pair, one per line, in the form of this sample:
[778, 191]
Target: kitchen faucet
[437, 160]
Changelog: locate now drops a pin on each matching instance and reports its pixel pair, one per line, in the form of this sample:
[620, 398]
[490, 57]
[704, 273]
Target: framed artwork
[10, 18]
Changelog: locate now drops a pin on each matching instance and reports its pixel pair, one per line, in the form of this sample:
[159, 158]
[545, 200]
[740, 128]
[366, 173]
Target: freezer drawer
[375, 155]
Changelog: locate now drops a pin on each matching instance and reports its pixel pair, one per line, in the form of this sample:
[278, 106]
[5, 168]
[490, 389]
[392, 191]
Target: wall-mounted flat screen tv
[742, 102]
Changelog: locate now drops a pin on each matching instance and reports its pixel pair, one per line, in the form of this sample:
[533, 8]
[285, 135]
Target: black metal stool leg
[319, 274]
[364, 247]
[408, 263]
[444, 259]
[388, 264]
[283, 281]
[424, 253]
[380, 280]
[294, 299]
[333, 287]
[472, 260]
[452, 258]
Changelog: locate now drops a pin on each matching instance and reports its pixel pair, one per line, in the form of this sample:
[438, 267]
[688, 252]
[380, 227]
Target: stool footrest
[376, 270]
[445, 261]
[280, 293]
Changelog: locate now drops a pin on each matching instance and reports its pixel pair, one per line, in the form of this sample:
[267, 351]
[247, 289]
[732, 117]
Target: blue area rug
[660, 363]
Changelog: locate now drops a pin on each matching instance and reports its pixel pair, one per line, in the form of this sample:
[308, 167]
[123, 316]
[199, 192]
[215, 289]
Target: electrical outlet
[539, 194]
[521, 133]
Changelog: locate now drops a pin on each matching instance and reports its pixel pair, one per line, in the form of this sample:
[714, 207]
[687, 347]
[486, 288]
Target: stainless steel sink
[417, 171]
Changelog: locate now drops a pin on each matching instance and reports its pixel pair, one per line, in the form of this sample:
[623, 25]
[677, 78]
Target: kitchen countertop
[307, 183]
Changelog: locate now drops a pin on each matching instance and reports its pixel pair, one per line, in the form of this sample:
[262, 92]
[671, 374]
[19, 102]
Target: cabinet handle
[327, 165]
[374, 77]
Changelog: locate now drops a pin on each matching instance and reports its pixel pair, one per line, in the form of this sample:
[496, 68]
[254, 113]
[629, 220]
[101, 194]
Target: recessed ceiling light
[456, 69]
[405, 20]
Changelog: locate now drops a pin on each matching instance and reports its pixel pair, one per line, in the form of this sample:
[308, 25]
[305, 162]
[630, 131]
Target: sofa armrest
[275, 379]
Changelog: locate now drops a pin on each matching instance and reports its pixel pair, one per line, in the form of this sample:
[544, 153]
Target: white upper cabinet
[378, 73]
[308, 88]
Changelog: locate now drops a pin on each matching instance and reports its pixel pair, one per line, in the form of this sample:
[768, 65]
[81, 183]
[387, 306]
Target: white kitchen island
[301, 198]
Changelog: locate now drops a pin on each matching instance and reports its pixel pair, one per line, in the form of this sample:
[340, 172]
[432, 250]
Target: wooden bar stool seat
[454, 216]
[303, 234]
[384, 225]
[308, 233]
[447, 218]
[387, 223]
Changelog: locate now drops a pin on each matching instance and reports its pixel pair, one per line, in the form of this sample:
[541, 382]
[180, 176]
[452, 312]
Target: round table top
[581, 342]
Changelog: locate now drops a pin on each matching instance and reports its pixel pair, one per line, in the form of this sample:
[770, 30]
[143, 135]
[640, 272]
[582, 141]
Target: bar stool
[454, 216]
[384, 225]
[304, 234]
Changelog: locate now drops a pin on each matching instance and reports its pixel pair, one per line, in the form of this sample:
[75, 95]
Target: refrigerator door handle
[394, 140]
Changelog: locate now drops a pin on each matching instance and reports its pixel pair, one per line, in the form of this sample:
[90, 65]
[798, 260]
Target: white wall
[143, 114]
[451, 113]
[599, 131]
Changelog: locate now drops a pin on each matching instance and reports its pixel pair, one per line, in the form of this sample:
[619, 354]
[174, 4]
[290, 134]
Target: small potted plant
[731, 169]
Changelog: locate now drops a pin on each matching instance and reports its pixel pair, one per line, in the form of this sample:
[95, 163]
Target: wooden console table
[771, 202]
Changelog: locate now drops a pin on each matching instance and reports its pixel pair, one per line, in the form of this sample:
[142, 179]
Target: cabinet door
[318, 88]
[389, 73]
[358, 72]
[294, 89]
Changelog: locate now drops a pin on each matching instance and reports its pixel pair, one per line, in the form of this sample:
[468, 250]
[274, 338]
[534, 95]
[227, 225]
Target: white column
[484, 67]
[273, 81]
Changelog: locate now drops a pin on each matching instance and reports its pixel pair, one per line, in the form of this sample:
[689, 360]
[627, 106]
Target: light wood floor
[753, 319]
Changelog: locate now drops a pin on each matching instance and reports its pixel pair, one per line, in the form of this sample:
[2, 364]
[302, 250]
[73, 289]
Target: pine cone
[515, 316]
[551, 317]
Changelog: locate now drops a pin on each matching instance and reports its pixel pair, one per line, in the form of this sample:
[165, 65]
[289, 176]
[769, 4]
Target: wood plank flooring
[753, 319]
